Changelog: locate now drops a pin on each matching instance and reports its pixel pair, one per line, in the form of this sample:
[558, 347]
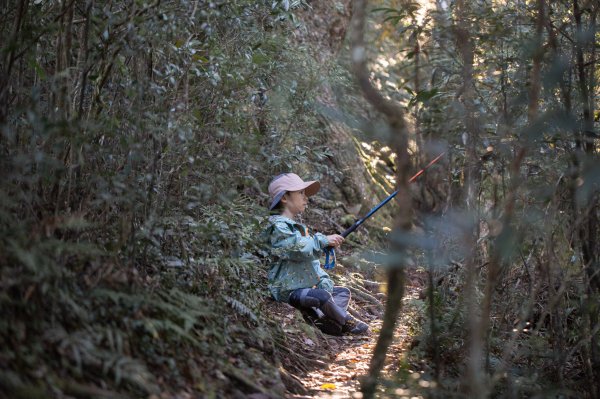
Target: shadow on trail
[316, 365]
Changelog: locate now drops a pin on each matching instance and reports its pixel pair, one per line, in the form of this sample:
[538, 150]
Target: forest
[137, 142]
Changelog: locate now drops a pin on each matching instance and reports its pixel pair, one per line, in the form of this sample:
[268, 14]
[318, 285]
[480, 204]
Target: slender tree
[395, 117]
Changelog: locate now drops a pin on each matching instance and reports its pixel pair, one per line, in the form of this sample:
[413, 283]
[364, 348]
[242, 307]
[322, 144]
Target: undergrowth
[101, 324]
[136, 148]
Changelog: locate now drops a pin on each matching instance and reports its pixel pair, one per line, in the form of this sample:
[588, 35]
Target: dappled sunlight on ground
[350, 357]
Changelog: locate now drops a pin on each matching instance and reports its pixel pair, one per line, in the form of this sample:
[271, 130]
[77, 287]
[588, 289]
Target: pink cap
[290, 182]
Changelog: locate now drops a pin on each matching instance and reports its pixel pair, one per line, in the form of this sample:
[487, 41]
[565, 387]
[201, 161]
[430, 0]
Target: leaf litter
[344, 360]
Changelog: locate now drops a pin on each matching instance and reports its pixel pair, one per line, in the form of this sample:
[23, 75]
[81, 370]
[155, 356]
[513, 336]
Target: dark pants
[322, 303]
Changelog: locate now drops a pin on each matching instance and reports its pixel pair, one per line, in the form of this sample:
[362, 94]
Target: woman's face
[295, 201]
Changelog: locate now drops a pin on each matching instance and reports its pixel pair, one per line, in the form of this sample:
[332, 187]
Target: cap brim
[312, 187]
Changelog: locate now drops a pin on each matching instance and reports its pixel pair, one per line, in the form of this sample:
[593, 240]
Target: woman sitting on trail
[295, 275]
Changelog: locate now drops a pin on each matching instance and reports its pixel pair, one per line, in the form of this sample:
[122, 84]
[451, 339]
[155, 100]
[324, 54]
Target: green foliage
[506, 281]
[136, 140]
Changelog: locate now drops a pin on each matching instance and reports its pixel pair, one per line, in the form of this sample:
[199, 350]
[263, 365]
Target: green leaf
[423, 96]
[259, 58]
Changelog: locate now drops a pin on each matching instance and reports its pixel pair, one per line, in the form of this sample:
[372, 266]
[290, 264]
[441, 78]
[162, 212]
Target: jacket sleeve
[295, 246]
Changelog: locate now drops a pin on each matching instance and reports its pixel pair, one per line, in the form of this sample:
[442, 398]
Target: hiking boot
[354, 326]
[328, 326]
[323, 323]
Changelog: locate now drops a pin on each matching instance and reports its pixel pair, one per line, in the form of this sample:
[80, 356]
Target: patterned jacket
[295, 258]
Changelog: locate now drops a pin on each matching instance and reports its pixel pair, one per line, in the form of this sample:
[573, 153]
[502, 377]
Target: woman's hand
[335, 240]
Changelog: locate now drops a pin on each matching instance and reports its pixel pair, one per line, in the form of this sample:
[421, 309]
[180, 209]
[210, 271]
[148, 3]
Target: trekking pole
[330, 252]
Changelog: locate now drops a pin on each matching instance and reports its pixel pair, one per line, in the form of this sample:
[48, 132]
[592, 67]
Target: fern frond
[241, 308]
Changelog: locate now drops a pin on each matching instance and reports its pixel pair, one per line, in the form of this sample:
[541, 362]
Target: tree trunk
[399, 142]
[590, 248]
[9, 60]
[474, 376]
[587, 208]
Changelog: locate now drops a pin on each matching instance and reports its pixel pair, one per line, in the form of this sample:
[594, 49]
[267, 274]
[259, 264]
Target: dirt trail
[349, 356]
